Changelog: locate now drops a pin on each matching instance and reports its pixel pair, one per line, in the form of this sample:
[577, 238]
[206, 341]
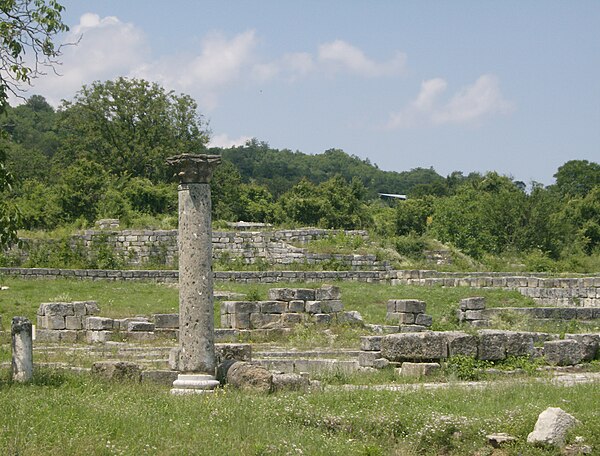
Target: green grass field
[73, 415]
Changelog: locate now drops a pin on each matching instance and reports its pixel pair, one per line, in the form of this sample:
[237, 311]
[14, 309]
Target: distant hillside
[279, 170]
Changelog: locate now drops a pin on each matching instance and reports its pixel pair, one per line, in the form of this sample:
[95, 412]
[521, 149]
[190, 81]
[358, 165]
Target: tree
[130, 126]
[577, 177]
[25, 25]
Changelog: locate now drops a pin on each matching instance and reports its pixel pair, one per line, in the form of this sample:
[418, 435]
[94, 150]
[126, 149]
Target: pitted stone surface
[414, 346]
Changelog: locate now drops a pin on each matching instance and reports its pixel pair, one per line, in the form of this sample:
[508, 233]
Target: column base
[194, 384]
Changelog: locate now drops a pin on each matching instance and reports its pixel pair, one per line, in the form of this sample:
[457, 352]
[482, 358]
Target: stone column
[22, 350]
[196, 354]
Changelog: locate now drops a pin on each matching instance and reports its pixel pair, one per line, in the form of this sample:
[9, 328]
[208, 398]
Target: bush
[411, 246]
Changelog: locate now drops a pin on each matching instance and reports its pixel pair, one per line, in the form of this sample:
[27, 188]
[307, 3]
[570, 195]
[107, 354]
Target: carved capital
[194, 168]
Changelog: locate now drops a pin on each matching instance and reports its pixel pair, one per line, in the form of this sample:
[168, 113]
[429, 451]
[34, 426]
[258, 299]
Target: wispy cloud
[223, 140]
[341, 56]
[468, 106]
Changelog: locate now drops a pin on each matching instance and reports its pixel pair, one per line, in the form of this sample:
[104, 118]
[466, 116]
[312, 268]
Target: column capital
[194, 168]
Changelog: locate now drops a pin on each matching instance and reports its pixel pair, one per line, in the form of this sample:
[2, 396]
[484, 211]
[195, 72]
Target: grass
[68, 415]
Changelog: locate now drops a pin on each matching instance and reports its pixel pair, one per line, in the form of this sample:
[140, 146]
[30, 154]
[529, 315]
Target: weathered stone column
[22, 350]
[196, 356]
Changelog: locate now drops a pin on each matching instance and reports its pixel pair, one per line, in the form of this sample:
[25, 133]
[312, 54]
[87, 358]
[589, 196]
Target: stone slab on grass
[414, 346]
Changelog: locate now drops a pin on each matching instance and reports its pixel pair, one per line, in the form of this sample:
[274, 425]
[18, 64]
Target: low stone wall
[288, 307]
[488, 345]
[159, 247]
[545, 290]
[409, 314]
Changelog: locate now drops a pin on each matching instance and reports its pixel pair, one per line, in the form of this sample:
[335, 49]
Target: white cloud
[106, 48]
[340, 55]
[222, 140]
[469, 105]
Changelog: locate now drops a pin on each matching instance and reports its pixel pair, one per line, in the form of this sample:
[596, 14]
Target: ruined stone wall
[159, 247]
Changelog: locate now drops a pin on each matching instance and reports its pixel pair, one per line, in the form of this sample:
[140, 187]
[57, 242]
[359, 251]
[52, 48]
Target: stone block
[273, 307]
[304, 294]
[474, 303]
[405, 318]
[410, 305]
[461, 343]
[590, 345]
[412, 328]
[419, 369]
[166, 321]
[159, 377]
[392, 317]
[58, 309]
[54, 322]
[139, 336]
[281, 294]
[585, 313]
[264, 321]
[519, 343]
[563, 352]
[79, 308]
[296, 306]
[290, 382]
[40, 321]
[370, 343]
[551, 428]
[92, 308]
[74, 322]
[328, 292]
[245, 307]
[238, 352]
[312, 307]
[424, 320]
[471, 315]
[414, 346]
[140, 326]
[492, 345]
[380, 363]
[391, 306]
[331, 306]
[226, 320]
[291, 319]
[47, 335]
[68, 336]
[99, 323]
[367, 358]
[351, 317]
[321, 319]
[240, 320]
[92, 337]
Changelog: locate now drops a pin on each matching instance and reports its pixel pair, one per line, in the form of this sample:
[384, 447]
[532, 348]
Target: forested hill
[280, 170]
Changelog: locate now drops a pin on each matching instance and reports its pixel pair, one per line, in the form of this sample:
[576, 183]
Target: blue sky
[510, 86]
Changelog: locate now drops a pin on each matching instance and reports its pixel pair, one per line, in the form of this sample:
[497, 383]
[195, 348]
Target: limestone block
[59, 309]
[380, 363]
[405, 318]
[563, 352]
[160, 377]
[98, 336]
[238, 352]
[40, 321]
[470, 315]
[312, 307]
[351, 317]
[273, 307]
[290, 382]
[68, 336]
[250, 377]
[331, 306]
[99, 323]
[391, 306]
[424, 320]
[226, 320]
[328, 292]
[46, 335]
[305, 294]
[474, 303]
[74, 322]
[492, 345]
[412, 328]
[245, 307]
[410, 305]
[140, 326]
[367, 358]
[519, 343]
[414, 346]
[590, 343]
[296, 306]
[393, 316]
[117, 370]
[264, 321]
[291, 319]
[370, 343]
[79, 308]
[240, 320]
[166, 321]
[54, 322]
[91, 308]
[461, 343]
[281, 294]
[322, 319]
[552, 426]
[419, 369]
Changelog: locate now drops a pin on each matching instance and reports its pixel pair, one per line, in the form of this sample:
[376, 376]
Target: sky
[511, 86]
